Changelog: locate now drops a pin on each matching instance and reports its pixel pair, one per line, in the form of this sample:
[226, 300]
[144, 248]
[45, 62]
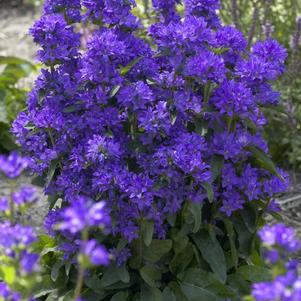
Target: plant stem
[81, 272]
[11, 203]
[79, 282]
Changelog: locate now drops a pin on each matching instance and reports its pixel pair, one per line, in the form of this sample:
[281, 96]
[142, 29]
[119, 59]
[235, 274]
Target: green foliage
[12, 95]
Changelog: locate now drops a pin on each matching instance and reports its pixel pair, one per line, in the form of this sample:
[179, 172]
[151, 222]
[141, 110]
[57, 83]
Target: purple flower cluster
[280, 242]
[13, 165]
[139, 124]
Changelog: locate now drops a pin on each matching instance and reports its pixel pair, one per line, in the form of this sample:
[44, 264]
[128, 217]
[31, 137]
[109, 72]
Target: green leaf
[128, 67]
[168, 295]
[254, 273]
[8, 274]
[231, 237]
[197, 293]
[56, 269]
[115, 90]
[210, 194]
[113, 275]
[150, 275]
[264, 160]
[121, 296]
[198, 277]
[182, 259]
[151, 294]
[157, 249]
[196, 210]
[212, 253]
[217, 163]
[147, 228]
[51, 171]
[11, 60]
[249, 216]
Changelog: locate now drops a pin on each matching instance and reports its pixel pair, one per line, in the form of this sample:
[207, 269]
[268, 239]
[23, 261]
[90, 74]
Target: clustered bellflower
[16, 240]
[280, 243]
[138, 123]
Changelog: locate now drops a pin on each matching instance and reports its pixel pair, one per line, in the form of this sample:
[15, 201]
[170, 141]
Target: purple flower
[13, 165]
[96, 253]
[26, 195]
[282, 236]
[29, 262]
[83, 213]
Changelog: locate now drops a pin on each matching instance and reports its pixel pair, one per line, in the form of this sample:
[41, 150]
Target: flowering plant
[163, 124]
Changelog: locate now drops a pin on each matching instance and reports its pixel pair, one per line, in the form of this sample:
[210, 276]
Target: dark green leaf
[254, 273]
[168, 295]
[157, 250]
[210, 194]
[197, 293]
[56, 269]
[212, 252]
[121, 296]
[151, 294]
[147, 228]
[196, 210]
[264, 160]
[231, 237]
[127, 68]
[217, 163]
[150, 275]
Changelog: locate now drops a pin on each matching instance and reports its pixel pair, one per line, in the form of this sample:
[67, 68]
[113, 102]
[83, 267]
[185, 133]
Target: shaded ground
[14, 25]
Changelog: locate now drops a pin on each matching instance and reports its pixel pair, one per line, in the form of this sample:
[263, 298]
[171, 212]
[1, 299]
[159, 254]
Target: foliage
[148, 141]
[12, 96]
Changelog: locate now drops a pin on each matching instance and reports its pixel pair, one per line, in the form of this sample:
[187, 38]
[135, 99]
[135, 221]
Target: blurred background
[257, 19]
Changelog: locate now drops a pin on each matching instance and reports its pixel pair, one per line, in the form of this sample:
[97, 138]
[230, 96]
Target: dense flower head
[8, 294]
[13, 165]
[137, 122]
[57, 39]
[16, 236]
[280, 242]
[282, 236]
[83, 214]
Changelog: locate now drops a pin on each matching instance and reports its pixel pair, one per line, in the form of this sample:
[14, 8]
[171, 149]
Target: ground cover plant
[147, 136]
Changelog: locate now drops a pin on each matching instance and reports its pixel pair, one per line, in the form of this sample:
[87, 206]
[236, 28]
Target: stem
[79, 282]
[11, 203]
[81, 272]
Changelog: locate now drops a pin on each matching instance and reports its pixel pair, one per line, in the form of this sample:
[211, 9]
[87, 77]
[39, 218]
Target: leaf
[254, 273]
[157, 249]
[210, 194]
[147, 228]
[182, 259]
[128, 67]
[231, 236]
[44, 287]
[168, 295]
[263, 160]
[8, 274]
[51, 172]
[151, 294]
[121, 296]
[217, 163]
[150, 275]
[196, 210]
[197, 293]
[115, 90]
[212, 253]
[11, 60]
[56, 269]
[113, 275]
[197, 277]
[249, 216]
